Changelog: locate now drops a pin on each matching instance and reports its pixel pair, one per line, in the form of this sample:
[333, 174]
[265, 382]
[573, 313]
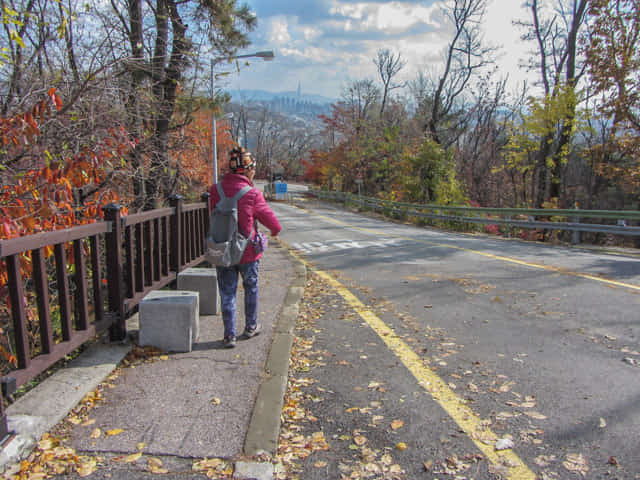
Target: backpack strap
[220, 191]
[242, 192]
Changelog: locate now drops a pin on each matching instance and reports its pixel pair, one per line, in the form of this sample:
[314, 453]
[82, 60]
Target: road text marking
[495, 257]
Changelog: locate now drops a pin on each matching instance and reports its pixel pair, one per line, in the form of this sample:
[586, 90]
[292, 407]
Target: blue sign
[281, 187]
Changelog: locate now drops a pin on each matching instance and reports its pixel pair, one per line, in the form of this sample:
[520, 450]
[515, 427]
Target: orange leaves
[55, 99]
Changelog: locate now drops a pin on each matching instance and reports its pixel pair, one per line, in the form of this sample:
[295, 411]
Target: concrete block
[169, 319]
[205, 282]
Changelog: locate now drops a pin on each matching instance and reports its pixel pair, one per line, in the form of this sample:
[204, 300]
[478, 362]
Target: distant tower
[299, 91]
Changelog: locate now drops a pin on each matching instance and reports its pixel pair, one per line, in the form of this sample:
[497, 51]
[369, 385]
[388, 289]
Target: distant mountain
[263, 95]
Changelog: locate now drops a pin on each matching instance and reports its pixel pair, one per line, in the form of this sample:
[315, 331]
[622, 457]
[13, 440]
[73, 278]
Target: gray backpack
[225, 243]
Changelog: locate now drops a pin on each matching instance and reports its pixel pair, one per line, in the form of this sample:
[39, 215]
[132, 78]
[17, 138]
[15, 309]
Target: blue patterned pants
[228, 285]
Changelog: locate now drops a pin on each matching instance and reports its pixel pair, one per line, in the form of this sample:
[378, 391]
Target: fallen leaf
[503, 444]
[141, 445]
[396, 424]
[544, 460]
[401, 446]
[536, 415]
[86, 466]
[320, 464]
[427, 465]
[115, 431]
[215, 401]
[359, 440]
[164, 357]
[88, 422]
[133, 457]
[505, 387]
[207, 464]
[603, 423]
[96, 433]
[47, 444]
[575, 462]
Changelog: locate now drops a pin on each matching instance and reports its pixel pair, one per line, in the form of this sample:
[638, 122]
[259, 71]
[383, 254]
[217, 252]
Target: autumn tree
[613, 62]
[556, 36]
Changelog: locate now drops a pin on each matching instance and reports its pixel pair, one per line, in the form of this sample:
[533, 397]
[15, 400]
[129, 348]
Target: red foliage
[42, 195]
[196, 157]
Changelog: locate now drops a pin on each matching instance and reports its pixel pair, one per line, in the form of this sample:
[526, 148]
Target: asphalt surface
[537, 342]
[209, 403]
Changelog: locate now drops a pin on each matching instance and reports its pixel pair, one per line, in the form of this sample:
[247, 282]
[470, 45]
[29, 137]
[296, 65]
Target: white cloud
[278, 31]
[325, 44]
[388, 17]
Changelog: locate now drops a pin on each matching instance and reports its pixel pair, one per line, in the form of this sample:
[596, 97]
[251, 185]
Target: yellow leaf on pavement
[396, 424]
[215, 401]
[536, 415]
[86, 466]
[320, 464]
[207, 464]
[575, 462]
[133, 457]
[47, 443]
[359, 440]
[401, 446]
[96, 433]
[154, 465]
[115, 431]
[141, 445]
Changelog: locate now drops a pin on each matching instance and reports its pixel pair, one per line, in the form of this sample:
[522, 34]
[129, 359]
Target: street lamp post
[266, 55]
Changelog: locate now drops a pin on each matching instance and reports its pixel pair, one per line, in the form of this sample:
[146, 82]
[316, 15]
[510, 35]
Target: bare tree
[388, 65]
[359, 98]
[161, 50]
[464, 57]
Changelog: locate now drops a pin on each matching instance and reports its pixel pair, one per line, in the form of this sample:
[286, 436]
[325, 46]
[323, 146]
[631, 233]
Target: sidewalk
[211, 402]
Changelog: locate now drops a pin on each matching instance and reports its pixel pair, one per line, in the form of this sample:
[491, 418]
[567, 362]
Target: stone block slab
[205, 282]
[169, 320]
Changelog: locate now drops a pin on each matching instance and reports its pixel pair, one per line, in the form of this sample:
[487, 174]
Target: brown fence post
[115, 281]
[175, 251]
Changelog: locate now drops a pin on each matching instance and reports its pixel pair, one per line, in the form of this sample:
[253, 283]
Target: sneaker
[251, 332]
[229, 342]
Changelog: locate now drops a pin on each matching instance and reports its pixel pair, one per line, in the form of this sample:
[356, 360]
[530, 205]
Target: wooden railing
[128, 256]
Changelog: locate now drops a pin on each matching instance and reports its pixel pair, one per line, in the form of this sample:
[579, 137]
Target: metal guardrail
[483, 215]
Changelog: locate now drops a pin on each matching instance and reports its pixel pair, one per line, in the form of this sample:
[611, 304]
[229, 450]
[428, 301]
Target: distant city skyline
[323, 45]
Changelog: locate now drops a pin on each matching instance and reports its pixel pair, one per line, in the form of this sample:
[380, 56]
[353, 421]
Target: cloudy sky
[326, 44]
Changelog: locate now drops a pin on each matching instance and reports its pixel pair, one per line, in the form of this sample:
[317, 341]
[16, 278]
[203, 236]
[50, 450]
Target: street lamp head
[266, 55]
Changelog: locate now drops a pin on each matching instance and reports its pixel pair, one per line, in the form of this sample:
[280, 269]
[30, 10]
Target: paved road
[473, 343]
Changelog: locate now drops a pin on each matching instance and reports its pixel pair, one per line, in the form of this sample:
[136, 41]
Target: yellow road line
[468, 421]
[495, 257]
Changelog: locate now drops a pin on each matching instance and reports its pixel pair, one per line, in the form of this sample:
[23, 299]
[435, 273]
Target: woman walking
[252, 208]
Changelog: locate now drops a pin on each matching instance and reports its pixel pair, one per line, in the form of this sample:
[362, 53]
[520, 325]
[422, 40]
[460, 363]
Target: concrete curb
[43, 407]
[264, 427]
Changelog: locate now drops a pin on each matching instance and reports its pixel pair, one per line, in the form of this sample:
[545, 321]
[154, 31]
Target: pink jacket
[252, 206]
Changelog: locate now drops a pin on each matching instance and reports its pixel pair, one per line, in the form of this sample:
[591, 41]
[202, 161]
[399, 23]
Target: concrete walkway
[210, 402]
